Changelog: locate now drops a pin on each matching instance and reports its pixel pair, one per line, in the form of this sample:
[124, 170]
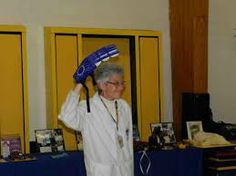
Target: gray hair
[105, 70]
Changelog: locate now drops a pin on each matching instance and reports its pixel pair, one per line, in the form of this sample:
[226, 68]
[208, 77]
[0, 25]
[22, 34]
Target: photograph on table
[49, 140]
[10, 144]
[193, 127]
[165, 131]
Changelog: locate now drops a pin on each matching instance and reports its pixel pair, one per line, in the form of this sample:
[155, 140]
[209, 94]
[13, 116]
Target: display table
[163, 163]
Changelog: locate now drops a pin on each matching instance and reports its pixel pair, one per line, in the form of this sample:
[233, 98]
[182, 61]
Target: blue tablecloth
[175, 162]
[163, 163]
[69, 164]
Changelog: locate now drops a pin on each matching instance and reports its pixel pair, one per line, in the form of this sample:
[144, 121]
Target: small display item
[10, 144]
[49, 140]
[193, 127]
[165, 132]
[19, 157]
[3, 160]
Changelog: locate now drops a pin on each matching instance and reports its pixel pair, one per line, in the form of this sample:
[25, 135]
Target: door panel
[149, 77]
[66, 64]
[11, 89]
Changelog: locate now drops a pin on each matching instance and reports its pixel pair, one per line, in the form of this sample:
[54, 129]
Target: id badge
[120, 140]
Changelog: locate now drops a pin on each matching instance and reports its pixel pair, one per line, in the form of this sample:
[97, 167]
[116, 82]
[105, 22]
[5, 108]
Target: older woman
[107, 129]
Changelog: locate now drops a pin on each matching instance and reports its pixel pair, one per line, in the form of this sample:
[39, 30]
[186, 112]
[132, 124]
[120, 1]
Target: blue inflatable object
[89, 64]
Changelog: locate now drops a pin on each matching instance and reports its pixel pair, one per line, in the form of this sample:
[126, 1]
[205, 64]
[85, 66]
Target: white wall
[123, 14]
[222, 59]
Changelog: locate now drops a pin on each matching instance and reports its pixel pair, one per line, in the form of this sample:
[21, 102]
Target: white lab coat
[102, 152]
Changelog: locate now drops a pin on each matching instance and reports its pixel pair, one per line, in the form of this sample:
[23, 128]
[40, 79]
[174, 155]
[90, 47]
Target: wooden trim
[101, 31]
[188, 29]
[25, 89]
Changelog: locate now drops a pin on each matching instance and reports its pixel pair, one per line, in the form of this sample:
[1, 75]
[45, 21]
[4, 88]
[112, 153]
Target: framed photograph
[193, 127]
[155, 126]
[10, 144]
[165, 131]
[168, 133]
[49, 140]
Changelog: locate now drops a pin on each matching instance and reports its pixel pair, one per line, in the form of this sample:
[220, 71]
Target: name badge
[120, 141]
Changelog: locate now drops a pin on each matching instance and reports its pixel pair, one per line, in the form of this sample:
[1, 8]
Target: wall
[123, 14]
[222, 59]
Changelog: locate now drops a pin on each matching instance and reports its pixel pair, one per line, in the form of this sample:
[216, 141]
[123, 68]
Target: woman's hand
[77, 88]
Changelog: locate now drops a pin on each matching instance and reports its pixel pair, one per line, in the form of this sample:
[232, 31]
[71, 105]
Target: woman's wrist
[77, 88]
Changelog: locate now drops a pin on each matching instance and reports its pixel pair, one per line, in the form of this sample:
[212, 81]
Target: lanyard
[117, 114]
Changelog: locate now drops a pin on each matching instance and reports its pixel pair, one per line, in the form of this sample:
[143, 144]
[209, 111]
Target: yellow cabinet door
[66, 64]
[13, 118]
[150, 83]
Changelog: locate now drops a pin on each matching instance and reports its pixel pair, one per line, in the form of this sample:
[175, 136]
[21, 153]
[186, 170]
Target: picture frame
[165, 131]
[193, 127]
[49, 140]
[10, 144]
[153, 126]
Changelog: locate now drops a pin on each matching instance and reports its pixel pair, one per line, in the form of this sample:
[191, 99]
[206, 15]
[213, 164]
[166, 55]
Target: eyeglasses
[116, 84]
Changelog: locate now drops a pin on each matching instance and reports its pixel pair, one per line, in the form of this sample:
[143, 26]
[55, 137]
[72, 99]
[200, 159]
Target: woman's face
[113, 88]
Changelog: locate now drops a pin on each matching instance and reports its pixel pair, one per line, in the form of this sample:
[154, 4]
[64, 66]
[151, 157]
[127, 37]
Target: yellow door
[149, 83]
[66, 64]
[11, 89]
